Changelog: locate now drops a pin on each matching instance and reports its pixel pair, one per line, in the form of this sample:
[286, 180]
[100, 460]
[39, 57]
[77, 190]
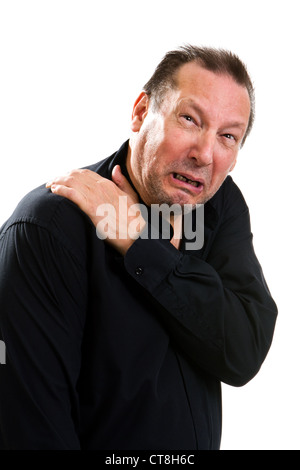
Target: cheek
[222, 167]
[225, 161]
[172, 147]
[164, 145]
[158, 153]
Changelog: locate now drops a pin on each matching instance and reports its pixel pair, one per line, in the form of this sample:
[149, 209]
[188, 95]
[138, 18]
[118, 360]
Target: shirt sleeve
[42, 297]
[219, 312]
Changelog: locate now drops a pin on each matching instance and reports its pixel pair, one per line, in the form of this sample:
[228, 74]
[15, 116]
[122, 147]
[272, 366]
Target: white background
[69, 74]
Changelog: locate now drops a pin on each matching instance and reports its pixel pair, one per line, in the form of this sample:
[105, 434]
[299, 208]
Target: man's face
[182, 152]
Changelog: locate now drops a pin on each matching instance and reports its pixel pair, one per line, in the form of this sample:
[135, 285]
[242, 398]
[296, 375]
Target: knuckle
[71, 173]
[69, 180]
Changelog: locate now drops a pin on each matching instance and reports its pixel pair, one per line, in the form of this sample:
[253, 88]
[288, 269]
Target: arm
[42, 298]
[219, 312]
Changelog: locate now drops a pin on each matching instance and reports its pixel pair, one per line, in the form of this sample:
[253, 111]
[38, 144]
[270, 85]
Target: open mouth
[182, 178]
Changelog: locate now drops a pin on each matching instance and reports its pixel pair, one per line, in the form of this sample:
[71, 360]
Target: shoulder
[58, 216]
[38, 206]
[61, 218]
[46, 212]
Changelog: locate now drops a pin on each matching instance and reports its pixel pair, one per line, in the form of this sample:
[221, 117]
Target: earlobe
[140, 111]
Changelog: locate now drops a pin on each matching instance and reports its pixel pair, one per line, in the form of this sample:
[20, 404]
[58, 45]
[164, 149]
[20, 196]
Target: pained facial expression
[182, 152]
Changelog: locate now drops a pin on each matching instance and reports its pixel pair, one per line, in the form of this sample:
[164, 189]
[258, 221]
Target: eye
[230, 140]
[188, 118]
[229, 136]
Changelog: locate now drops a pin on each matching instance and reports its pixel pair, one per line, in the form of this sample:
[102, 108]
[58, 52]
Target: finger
[69, 193]
[121, 181]
[67, 180]
[74, 177]
[58, 180]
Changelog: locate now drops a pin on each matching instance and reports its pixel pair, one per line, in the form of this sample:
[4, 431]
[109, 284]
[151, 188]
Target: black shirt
[112, 352]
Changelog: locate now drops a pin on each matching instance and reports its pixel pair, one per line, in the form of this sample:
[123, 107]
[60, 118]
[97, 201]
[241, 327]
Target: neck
[132, 174]
[128, 163]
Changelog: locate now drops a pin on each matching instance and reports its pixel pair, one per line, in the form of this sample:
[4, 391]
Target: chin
[186, 198]
[181, 201]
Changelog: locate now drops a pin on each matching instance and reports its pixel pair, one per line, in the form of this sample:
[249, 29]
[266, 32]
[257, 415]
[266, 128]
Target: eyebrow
[201, 113]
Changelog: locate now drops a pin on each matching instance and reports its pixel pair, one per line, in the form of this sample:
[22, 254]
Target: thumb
[121, 181]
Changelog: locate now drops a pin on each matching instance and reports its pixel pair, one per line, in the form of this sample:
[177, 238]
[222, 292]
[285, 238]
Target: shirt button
[139, 271]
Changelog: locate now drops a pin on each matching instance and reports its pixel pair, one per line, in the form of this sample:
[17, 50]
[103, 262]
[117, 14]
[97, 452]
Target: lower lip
[186, 186]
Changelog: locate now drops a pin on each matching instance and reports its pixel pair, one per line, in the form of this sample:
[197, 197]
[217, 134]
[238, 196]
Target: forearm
[226, 332]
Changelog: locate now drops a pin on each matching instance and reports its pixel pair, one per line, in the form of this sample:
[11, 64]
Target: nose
[202, 150]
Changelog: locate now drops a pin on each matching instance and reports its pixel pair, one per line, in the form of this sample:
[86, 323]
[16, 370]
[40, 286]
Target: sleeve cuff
[150, 260]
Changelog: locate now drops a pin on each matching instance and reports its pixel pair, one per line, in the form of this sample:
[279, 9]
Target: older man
[120, 340]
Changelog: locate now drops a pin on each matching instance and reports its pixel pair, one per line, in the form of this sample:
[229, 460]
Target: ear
[140, 111]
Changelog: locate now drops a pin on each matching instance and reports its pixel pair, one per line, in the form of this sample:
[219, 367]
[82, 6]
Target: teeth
[182, 178]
